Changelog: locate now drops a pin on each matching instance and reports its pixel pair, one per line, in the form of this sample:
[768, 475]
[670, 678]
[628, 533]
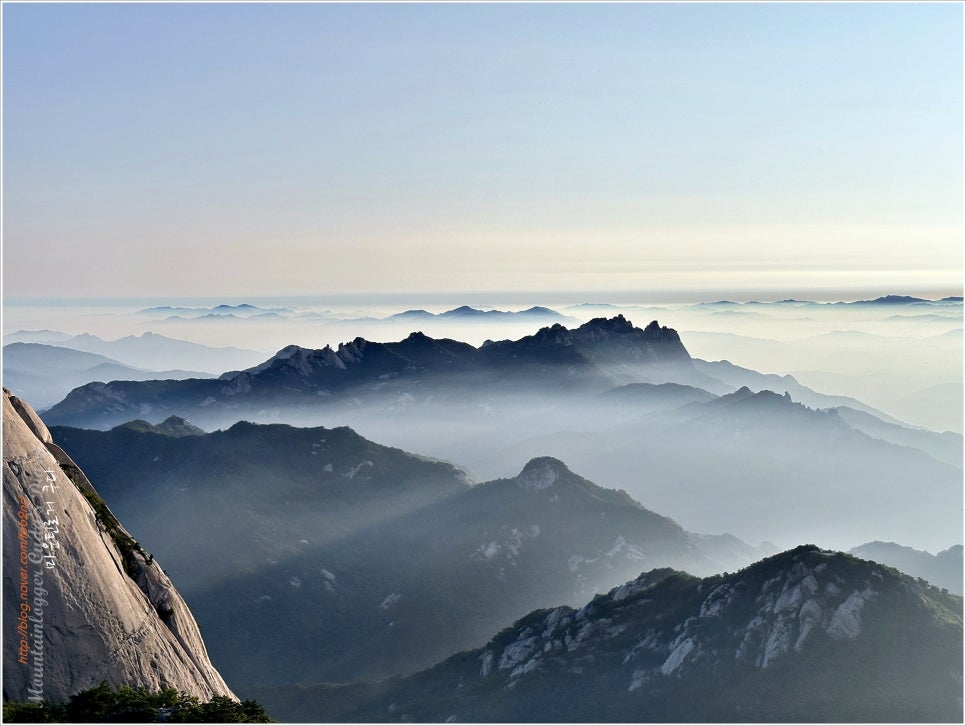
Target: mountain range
[943, 569]
[805, 636]
[147, 351]
[882, 300]
[628, 407]
[766, 467]
[593, 357]
[45, 373]
[369, 561]
[471, 314]
[404, 590]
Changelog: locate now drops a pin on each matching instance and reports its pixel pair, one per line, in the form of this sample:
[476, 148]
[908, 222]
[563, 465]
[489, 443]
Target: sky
[264, 149]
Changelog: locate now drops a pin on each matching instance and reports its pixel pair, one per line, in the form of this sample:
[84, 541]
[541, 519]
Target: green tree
[102, 704]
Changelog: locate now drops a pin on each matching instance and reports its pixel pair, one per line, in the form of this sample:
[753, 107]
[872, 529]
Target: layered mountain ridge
[369, 561]
[626, 406]
[597, 355]
[380, 541]
[44, 374]
[944, 569]
[805, 636]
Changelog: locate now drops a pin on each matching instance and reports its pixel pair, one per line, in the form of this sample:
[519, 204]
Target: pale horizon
[227, 150]
[515, 298]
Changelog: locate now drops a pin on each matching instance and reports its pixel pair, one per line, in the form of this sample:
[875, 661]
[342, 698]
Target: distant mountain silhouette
[892, 300]
[591, 357]
[44, 373]
[412, 314]
[946, 447]
[146, 350]
[716, 452]
[243, 309]
[766, 466]
[48, 337]
[466, 313]
[944, 569]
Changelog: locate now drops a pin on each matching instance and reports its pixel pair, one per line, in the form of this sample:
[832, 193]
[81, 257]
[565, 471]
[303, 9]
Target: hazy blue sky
[269, 149]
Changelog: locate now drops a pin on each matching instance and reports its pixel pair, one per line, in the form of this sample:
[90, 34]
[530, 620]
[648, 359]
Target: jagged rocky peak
[352, 351]
[761, 400]
[542, 473]
[83, 601]
[617, 324]
[555, 333]
[610, 340]
[656, 331]
[655, 342]
[281, 356]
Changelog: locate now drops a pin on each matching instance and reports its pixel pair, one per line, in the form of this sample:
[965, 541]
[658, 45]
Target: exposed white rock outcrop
[846, 621]
[77, 610]
[677, 656]
[539, 474]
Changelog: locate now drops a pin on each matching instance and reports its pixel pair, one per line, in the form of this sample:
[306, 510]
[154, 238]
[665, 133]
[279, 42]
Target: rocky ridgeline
[804, 636]
[595, 354]
[766, 621]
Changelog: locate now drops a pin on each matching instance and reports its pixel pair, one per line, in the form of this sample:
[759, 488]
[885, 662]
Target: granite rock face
[82, 601]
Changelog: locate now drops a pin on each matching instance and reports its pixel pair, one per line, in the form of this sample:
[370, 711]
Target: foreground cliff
[82, 601]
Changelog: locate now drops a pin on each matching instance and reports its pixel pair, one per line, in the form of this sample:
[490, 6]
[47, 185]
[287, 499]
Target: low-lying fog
[904, 359]
[761, 468]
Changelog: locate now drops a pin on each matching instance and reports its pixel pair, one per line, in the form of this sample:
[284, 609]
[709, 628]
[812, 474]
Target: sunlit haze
[445, 362]
[229, 149]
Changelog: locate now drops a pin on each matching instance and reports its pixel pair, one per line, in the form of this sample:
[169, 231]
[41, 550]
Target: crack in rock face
[103, 609]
